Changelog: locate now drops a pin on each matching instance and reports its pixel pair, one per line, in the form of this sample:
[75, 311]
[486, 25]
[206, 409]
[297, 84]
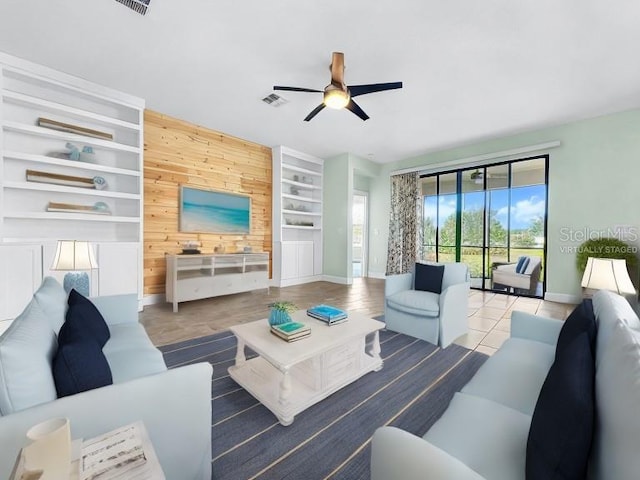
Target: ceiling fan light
[336, 98]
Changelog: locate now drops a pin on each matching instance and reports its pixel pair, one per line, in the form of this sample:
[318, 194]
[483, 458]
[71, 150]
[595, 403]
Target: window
[486, 217]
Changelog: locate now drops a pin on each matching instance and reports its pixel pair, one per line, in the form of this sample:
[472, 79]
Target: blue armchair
[436, 318]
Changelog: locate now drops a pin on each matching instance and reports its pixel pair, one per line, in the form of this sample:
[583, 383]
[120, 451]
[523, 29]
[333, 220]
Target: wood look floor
[489, 313]
[204, 317]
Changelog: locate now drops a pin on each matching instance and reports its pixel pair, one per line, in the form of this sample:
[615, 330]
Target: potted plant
[605, 248]
[280, 311]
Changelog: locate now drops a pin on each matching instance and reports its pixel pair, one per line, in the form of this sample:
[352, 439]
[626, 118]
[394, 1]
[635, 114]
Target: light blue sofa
[175, 405]
[483, 433]
[435, 318]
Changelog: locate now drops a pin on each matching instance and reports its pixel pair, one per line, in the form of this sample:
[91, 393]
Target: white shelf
[300, 199]
[68, 137]
[47, 187]
[303, 186]
[294, 168]
[46, 160]
[186, 268]
[61, 81]
[85, 217]
[21, 99]
[300, 227]
[297, 212]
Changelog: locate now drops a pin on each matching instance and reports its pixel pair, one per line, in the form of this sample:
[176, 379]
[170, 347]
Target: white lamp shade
[50, 449]
[607, 274]
[72, 255]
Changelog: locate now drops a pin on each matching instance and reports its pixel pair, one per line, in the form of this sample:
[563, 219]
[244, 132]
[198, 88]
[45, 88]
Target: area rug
[332, 439]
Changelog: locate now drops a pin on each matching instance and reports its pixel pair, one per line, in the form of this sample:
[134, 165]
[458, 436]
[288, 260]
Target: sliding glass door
[489, 217]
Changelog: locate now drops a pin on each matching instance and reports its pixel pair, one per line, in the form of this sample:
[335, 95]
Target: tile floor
[490, 317]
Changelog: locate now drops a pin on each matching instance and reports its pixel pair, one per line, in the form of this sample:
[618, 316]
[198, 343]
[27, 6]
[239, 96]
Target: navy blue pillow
[582, 319]
[562, 424]
[79, 365]
[84, 319]
[428, 278]
[523, 263]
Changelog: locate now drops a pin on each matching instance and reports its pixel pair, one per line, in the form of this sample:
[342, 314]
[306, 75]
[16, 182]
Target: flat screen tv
[208, 211]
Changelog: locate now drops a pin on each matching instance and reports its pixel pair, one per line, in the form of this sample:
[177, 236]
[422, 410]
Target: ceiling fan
[478, 176]
[337, 95]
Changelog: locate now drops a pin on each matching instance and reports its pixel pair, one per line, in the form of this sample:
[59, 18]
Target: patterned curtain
[404, 219]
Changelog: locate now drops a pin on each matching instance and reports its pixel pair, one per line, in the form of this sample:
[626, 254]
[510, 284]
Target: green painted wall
[342, 174]
[360, 182]
[364, 167]
[593, 187]
[336, 198]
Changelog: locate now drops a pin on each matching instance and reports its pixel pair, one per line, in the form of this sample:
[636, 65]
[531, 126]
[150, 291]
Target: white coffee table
[288, 378]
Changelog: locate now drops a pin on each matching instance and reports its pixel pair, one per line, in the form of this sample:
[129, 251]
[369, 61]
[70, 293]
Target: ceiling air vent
[139, 6]
[274, 100]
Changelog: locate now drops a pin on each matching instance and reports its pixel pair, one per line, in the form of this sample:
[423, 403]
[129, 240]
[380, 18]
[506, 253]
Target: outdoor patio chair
[522, 276]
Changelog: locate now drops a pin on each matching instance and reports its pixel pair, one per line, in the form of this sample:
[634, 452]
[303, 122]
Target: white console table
[192, 277]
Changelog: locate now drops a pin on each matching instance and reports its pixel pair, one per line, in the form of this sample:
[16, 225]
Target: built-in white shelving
[297, 216]
[30, 92]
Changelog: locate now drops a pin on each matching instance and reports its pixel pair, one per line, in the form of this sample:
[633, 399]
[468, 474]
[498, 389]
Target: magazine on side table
[125, 452]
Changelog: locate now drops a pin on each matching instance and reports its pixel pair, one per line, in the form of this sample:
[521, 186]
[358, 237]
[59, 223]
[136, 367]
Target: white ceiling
[471, 70]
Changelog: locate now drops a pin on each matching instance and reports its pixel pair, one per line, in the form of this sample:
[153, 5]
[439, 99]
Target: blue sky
[527, 203]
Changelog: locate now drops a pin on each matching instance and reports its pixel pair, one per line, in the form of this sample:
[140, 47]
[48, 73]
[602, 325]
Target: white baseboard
[298, 281]
[380, 275]
[153, 299]
[334, 279]
[562, 298]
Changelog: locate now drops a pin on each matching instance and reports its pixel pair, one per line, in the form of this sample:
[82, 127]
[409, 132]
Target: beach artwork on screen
[214, 212]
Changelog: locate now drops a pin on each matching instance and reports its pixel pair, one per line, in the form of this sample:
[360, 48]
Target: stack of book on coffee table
[291, 331]
[328, 314]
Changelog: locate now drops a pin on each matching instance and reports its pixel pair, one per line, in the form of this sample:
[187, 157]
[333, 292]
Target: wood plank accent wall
[180, 153]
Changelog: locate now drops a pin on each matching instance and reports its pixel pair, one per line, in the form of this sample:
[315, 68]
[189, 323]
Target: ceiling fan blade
[296, 89]
[355, 108]
[337, 69]
[356, 90]
[314, 112]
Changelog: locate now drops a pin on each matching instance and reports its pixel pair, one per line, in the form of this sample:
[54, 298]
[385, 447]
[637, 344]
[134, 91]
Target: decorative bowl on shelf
[99, 183]
[101, 207]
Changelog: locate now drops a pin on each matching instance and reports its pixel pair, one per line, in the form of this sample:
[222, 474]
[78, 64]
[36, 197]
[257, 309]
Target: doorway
[359, 214]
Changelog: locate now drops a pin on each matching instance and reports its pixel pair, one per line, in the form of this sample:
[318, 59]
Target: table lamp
[73, 256]
[50, 449]
[607, 274]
